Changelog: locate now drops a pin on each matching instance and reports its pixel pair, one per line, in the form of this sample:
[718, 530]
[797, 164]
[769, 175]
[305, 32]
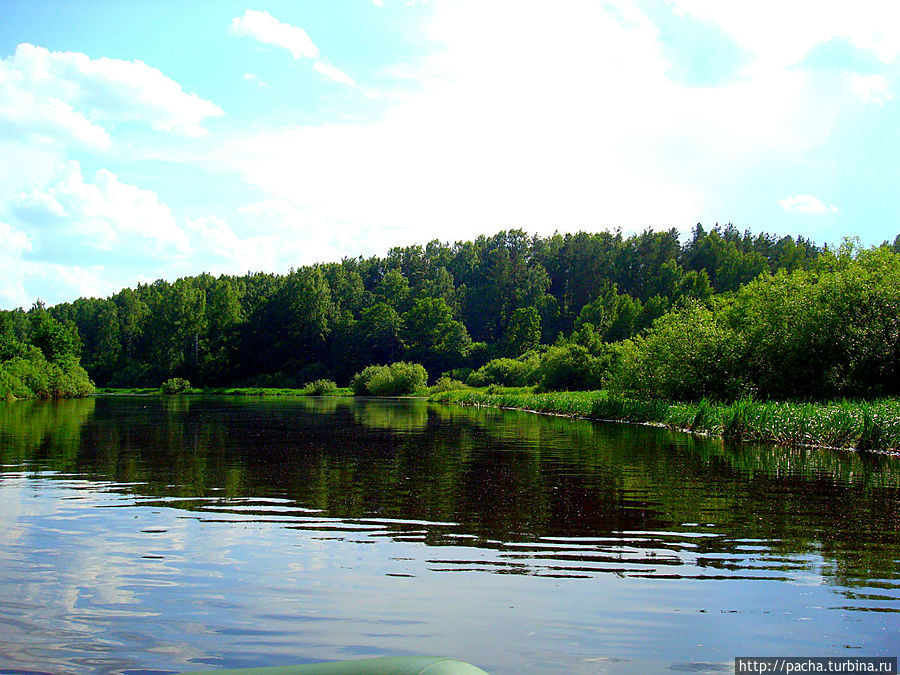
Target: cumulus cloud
[13, 243]
[223, 252]
[805, 204]
[70, 96]
[46, 118]
[780, 32]
[334, 74]
[104, 219]
[870, 88]
[265, 28]
[588, 129]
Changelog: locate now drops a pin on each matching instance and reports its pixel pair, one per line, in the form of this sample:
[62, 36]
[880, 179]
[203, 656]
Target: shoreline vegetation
[871, 426]
[223, 391]
[844, 424]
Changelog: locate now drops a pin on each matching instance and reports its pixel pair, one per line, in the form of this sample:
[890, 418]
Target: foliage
[175, 385]
[832, 333]
[38, 357]
[505, 372]
[320, 387]
[446, 306]
[572, 367]
[523, 332]
[863, 425]
[446, 383]
[432, 336]
[688, 355]
[397, 379]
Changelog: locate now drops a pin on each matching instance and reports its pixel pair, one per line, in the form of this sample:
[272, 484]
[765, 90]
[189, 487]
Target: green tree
[433, 337]
[523, 332]
[376, 336]
[393, 290]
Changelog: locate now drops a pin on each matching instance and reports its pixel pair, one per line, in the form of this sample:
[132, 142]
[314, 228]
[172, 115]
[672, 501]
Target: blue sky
[157, 140]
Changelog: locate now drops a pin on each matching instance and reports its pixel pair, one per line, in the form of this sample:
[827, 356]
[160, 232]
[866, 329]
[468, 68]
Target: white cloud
[506, 135]
[331, 73]
[257, 80]
[378, 3]
[805, 204]
[569, 121]
[221, 251]
[23, 281]
[870, 88]
[781, 32]
[72, 219]
[265, 28]
[13, 243]
[69, 96]
[44, 118]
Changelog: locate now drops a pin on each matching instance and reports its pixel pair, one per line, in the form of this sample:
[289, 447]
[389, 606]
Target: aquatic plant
[862, 425]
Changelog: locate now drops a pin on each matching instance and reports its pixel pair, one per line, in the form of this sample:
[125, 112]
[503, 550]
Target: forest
[721, 315]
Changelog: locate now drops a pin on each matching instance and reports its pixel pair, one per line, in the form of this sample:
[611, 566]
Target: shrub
[571, 367]
[446, 383]
[461, 374]
[320, 387]
[397, 379]
[505, 372]
[32, 376]
[688, 355]
[360, 382]
[175, 385]
[12, 387]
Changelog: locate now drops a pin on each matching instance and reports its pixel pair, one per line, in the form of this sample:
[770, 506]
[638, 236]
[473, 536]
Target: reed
[861, 425]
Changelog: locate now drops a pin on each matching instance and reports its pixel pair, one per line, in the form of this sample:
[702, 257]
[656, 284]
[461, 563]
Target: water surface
[166, 534]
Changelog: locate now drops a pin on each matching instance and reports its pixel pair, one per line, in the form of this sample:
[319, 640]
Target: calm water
[148, 534]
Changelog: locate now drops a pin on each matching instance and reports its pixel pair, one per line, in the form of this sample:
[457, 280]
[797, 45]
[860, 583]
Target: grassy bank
[226, 391]
[861, 425]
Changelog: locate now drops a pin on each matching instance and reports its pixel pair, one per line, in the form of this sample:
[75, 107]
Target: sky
[158, 140]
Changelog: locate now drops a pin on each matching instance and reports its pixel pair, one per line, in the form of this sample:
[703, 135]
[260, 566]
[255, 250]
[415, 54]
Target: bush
[461, 374]
[320, 387]
[689, 354]
[175, 385]
[446, 383]
[397, 379]
[67, 378]
[11, 387]
[505, 372]
[32, 376]
[571, 367]
[360, 382]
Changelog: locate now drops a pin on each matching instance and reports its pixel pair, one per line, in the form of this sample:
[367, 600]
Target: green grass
[228, 391]
[861, 425]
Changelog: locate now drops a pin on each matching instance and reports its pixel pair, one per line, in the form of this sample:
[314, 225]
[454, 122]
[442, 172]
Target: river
[155, 535]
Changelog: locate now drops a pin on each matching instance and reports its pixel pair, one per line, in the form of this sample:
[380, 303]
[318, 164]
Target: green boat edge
[392, 665]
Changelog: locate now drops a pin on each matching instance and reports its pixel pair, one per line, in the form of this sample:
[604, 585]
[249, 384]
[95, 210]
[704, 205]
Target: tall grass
[861, 425]
[311, 389]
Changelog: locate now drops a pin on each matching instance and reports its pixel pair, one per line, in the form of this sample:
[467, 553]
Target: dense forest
[563, 311]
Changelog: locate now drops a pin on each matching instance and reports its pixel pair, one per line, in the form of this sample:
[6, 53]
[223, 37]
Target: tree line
[451, 307]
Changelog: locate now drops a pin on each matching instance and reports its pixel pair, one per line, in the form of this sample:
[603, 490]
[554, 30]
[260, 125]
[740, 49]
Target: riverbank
[225, 391]
[856, 425]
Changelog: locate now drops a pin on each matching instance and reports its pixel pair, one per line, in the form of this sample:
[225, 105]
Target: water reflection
[253, 511]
